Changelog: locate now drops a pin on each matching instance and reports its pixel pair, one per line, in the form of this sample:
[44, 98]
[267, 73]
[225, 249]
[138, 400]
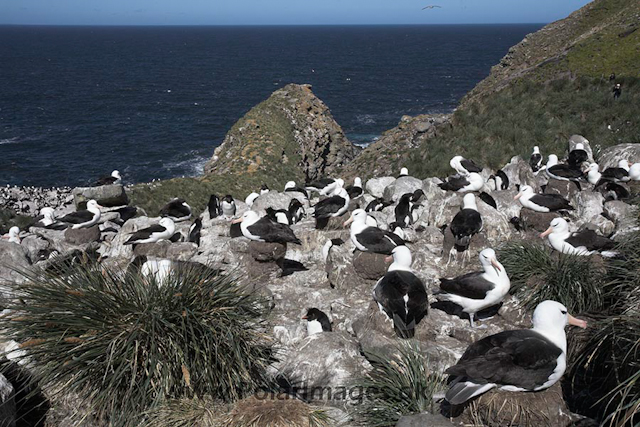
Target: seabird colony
[516, 360]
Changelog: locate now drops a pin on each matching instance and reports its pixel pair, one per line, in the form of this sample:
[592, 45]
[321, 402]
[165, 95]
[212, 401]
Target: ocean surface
[154, 102]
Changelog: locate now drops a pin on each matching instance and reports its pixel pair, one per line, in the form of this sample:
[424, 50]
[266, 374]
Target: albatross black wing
[590, 240]
[554, 202]
[78, 217]
[271, 231]
[454, 183]
[470, 285]
[145, 233]
[522, 358]
[379, 241]
[470, 165]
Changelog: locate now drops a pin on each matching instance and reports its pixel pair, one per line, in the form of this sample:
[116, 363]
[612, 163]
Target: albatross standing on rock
[264, 230]
[465, 224]
[371, 239]
[585, 242]
[401, 295]
[333, 206]
[519, 360]
[83, 218]
[114, 178]
[479, 290]
[464, 166]
[535, 161]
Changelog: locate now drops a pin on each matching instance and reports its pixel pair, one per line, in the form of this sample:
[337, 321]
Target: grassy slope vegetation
[510, 122]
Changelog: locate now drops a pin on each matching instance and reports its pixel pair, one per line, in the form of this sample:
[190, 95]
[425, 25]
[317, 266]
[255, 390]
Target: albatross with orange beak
[478, 290]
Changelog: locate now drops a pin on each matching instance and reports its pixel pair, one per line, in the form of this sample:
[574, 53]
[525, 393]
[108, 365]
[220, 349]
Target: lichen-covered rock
[588, 205]
[536, 221]
[105, 195]
[178, 251]
[14, 259]
[82, 236]
[519, 173]
[376, 186]
[566, 189]
[273, 199]
[623, 215]
[612, 155]
[402, 185]
[322, 362]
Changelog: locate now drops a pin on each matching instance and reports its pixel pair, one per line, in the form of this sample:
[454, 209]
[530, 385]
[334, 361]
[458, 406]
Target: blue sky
[281, 12]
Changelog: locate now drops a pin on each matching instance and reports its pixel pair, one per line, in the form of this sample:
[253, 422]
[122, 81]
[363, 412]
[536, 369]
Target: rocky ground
[296, 277]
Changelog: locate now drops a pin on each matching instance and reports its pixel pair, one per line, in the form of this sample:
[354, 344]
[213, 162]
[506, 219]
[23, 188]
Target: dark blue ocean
[154, 102]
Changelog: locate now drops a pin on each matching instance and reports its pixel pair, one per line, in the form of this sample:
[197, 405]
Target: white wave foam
[13, 140]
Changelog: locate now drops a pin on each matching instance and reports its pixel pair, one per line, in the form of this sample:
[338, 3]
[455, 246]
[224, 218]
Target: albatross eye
[563, 312]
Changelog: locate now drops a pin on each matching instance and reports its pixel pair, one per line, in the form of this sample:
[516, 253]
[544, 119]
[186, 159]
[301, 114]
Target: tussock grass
[126, 344]
[492, 129]
[538, 273]
[398, 385]
[275, 410]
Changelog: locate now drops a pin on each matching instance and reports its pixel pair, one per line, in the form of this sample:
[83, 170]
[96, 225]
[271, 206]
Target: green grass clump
[538, 273]
[398, 385]
[125, 343]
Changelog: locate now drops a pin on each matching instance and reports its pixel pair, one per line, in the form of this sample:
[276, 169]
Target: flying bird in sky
[433, 6]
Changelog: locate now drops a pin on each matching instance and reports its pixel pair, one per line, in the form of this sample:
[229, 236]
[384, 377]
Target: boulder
[424, 419]
[495, 223]
[506, 205]
[116, 247]
[376, 186]
[536, 221]
[105, 195]
[623, 215]
[441, 210]
[545, 408]
[402, 185]
[519, 173]
[609, 157]
[8, 412]
[13, 257]
[320, 367]
[36, 247]
[566, 189]
[272, 199]
[82, 236]
[579, 139]
[369, 265]
[339, 266]
[267, 252]
[588, 205]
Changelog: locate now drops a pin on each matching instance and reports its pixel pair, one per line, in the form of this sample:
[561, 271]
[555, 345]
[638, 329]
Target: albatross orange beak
[577, 322]
[388, 258]
[546, 233]
[494, 263]
[237, 220]
[304, 317]
[347, 222]
[517, 196]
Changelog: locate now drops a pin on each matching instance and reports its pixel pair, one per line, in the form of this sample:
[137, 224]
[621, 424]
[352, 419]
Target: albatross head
[357, 182]
[248, 218]
[526, 191]
[557, 225]
[404, 172]
[401, 256]
[290, 184]
[536, 150]
[358, 216]
[456, 163]
[469, 202]
[553, 316]
[93, 206]
[552, 160]
[168, 224]
[488, 260]
[116, 174]
[48, 213]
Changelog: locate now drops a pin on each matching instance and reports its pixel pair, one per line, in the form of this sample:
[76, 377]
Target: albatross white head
[290, 184]
[469, 202]
[557, 226]
[550, 318]
[169, 225]
[357, 182]
[404, 172]
[579, 146]
[116, 175]
[358, 219]
[401, 256]
[624, 164]
[593, 173]
[490, 262]
[552, 160]
[13, 235]
[93, 207]
[536, 150]
[456, 163]
[526, 192]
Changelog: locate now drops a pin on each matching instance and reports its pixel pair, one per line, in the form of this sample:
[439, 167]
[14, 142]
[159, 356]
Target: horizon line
[271, 25]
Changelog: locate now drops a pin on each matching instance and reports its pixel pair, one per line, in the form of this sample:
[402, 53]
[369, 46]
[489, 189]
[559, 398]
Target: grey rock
[566, 189]
[623, 215]
[495, 223]
[402, 185]
[376, 186]
[424, 420]
[116, 247]
[105, 195]
[274, 200]
[612, 155]
[506, 205]
[82, 236]
[35, 247]
[8, 412]
[519, 173]
[267, 252]
[323, 362]
[14, 259]
[441, 210]
[588, 204]
[369, 265]
[579, 139]
[537, 221]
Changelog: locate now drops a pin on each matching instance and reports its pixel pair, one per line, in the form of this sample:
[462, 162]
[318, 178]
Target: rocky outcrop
[388, 154]
[291, 135]
[612, 155]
